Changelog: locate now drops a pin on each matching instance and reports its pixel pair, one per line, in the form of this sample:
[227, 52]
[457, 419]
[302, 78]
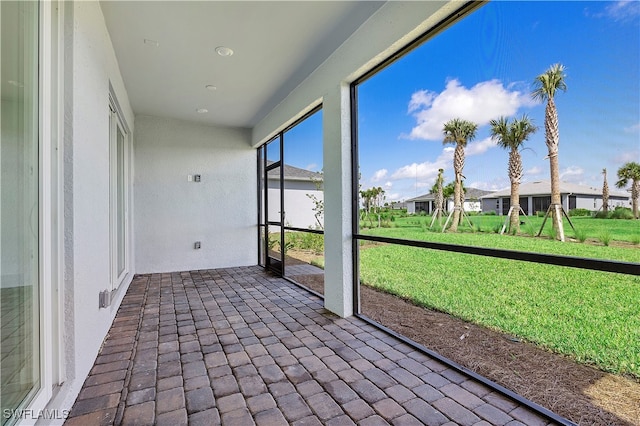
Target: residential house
[536, 197]
[426, 202]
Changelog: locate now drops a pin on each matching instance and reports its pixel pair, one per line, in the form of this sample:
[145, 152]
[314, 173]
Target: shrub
[551, 232]
[581, 235]
[529, 229]
[489, 213]
[579, 212]
[605, 238]
[622, 213]
[603, 215]
[540, 213]
[305, 241]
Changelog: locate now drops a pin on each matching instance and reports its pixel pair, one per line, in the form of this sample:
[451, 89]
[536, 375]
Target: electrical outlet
[196, 178]
[197, 245]
[189, 178]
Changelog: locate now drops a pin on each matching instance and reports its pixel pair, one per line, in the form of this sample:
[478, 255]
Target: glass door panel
[19, 208]
[274, 221]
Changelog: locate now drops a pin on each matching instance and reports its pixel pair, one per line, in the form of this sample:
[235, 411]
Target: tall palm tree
[439, 194]
[511, 136]
[459, 132]
[605, 194]
[630, 172]
[545, 87]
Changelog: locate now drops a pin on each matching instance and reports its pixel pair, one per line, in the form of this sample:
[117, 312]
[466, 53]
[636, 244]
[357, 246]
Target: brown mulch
[580, 393]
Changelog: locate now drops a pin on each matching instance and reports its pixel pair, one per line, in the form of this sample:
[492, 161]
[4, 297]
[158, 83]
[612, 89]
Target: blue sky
[482, 68]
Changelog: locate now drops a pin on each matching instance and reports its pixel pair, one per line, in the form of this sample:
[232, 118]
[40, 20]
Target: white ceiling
[276, 46]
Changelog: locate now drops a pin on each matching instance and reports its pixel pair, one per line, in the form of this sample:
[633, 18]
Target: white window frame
[51, 208]
[118, 122]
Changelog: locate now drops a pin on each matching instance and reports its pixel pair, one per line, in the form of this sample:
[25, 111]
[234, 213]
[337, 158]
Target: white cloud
[388, 184]
[479, 147]
[312, 167]
[633, 129]
[379, 175]
[426, 170]
[421, 98]
[572, 174]
[484, 101]
[626, 157]
[623, 10]
[535, 170]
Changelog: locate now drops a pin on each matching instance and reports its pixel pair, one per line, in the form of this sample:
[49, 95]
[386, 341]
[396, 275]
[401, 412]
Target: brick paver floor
[238, 346]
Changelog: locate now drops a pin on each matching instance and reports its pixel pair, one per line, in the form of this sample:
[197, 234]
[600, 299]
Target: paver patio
[239, 346]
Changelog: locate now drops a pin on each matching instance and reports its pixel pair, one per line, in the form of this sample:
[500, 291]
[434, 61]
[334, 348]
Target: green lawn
[626, 231]
[589, 315]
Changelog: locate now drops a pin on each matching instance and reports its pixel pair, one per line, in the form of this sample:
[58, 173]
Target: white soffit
[276, 45]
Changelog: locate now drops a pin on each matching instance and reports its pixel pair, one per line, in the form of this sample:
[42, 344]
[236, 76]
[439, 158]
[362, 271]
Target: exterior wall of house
[220, 211]
[87, 230]
[595, 203]
[589, 202]
[298, 206]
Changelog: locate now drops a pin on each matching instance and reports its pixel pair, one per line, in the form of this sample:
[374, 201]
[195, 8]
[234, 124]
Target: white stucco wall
[298, 205]
[86, 188]
[171, 213]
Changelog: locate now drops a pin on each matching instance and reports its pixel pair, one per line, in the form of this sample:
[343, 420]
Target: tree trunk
[456, 204]
[515, 174]
[635, 194]
[514, 225]
[458, 165]
[605, 194]
[553, 140]
[460, 218]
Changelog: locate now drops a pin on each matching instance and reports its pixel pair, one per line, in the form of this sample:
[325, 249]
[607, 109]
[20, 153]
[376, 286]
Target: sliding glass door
[19, 207]
[273, 206]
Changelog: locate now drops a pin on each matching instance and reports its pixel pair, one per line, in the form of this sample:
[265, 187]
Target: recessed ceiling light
[151, 43]
[224, 51]
[202, 110]
[211, 87]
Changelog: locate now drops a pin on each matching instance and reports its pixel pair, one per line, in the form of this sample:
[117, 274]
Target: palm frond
[546, 84]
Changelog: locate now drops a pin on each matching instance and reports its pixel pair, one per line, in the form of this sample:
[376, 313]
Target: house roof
[543, 188]
[295, 173]
[470, 193]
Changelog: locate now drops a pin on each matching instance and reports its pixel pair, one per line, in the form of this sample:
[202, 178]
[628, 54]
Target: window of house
[119, 198]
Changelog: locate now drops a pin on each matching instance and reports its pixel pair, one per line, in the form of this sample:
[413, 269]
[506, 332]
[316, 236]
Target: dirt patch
[580, 393]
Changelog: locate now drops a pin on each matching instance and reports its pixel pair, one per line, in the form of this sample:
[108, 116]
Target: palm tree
[630, 172]
[511, 136]
[458, 132]
[439, 194]
[545, 87]
[605, 194]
